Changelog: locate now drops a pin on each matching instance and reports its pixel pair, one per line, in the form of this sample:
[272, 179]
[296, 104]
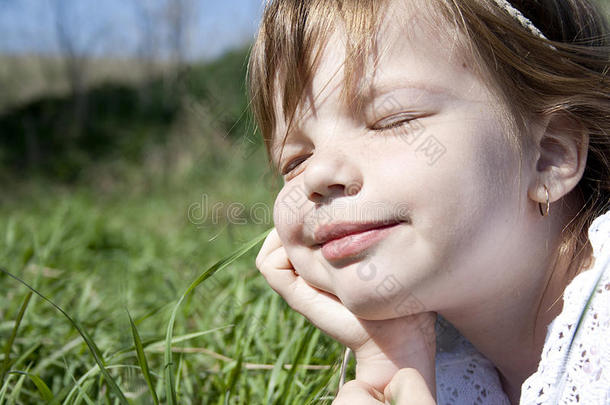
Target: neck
[513, 342]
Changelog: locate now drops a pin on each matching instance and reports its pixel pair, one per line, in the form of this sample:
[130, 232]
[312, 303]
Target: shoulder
[599, 235]
[575, 361]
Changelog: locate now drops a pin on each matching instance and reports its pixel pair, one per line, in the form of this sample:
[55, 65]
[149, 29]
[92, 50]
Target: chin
[376, 308]
[370, 310]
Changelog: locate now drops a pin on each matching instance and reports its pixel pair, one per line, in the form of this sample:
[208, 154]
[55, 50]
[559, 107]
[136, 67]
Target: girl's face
[423, 180]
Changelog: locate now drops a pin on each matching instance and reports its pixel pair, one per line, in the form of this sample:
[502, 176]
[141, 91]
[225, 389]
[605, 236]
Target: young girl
[443, 213]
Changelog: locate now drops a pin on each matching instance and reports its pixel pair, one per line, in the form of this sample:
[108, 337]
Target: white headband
[523, 20]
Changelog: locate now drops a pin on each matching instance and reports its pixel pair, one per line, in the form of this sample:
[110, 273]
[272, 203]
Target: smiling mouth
[351, 240]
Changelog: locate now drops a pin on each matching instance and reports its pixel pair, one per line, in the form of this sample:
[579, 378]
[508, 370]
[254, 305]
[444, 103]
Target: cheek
[286, 221]
[289, 215]
[286, 216]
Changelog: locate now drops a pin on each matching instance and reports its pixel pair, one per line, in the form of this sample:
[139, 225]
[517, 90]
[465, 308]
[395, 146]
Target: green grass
[98, 255]
[118, 244]
[108, 225]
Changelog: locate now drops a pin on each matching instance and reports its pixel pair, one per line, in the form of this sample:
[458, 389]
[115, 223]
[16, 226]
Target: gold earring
[548, 205]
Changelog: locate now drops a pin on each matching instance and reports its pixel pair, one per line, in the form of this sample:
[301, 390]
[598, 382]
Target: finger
[280, 275]
[276, 260]
[271, 243]
[408, 387]
[325, 311]
[356, 392]
[321, 308]
[278, 272]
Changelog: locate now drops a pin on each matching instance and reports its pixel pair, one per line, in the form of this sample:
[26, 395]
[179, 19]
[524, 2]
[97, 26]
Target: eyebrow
[390, 84]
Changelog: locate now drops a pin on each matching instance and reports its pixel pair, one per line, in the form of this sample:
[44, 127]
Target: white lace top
[575, 362]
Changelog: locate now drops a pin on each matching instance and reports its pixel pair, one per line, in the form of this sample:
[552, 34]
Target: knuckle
[351, 393]
[405, 377]
[259, 261]
[408, 373]
[408, 380]
[351, 385]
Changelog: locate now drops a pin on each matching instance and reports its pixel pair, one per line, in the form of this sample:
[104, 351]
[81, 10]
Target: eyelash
[393, 124]
[291, 166]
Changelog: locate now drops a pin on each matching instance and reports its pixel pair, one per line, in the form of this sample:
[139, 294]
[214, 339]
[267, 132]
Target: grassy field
[119, 218]
[98, 256]
[126, 234]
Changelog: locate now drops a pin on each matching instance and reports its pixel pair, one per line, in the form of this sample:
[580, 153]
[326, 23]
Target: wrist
[377, 372]
[376, 367]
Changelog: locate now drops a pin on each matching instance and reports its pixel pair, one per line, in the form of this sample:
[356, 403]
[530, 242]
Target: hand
[407, 387]
[381, 347]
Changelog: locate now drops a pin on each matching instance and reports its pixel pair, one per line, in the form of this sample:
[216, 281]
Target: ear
[562, 147]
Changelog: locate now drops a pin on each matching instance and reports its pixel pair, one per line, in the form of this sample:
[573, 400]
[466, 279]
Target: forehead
[410, 50]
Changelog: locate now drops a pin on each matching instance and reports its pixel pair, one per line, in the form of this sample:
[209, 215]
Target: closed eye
[293, 164]
[392, 122]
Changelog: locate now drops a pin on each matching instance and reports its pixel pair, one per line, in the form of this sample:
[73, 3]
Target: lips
[343, 240]
[330, 232]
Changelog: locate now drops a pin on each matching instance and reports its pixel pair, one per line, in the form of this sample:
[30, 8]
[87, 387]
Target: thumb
[356, 392]
[408, 387]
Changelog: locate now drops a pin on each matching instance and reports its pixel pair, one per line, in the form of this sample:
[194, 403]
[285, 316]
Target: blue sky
[111, 27]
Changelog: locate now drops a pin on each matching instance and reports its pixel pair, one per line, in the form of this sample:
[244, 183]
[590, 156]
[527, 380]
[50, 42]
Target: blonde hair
[566, 72]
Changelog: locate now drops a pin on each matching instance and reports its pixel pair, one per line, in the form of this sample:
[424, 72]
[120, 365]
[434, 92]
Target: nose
[331, 175]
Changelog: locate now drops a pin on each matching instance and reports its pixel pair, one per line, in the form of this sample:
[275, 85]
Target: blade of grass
[9, 344]
[150, 313]
[81, 391]
[169, 376]
[4, 389]
[288, 382]
[83, 396]
[242, 344]
[234, 375]
[142, 360]
[43, 389]
[57, 354]
[155, 343]
[25, 355]
[16, 390]
[91, 373]
[276, 373]
[178, 371]
[321, 386]
[93, 349]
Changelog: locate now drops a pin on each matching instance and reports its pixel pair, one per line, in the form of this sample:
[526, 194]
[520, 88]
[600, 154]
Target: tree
[75, 48]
